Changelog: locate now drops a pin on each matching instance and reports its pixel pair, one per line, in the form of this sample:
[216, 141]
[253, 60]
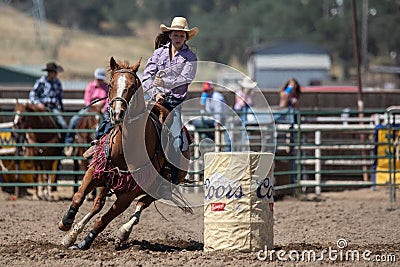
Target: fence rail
[323, 149]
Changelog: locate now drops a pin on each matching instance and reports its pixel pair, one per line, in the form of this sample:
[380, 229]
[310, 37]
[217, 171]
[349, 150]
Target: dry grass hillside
[77, 51]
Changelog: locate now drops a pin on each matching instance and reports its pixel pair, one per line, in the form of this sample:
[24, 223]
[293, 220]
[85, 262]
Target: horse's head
[18, 118]
[123, 85]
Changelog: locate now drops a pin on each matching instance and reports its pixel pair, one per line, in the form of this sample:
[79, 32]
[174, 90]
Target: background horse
[109, 170]
[31, 122]
[85, 122]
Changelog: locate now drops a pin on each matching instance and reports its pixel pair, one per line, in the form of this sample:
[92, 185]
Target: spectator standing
[215, 108]
[289, 99]
[290, 94]
[244, 98]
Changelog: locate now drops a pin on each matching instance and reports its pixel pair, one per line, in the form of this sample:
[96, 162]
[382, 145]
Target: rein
[94, 102]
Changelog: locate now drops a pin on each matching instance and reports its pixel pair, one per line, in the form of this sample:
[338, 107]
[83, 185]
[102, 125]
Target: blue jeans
[104, 127]
[285, 116]
[60, 121]
[243, 114]
[174, 130]
[69, 139]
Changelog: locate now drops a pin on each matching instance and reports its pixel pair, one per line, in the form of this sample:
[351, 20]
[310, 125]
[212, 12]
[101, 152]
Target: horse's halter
[119, 98]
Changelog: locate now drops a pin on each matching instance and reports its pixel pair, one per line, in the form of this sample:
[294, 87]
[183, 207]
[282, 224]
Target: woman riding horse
[166, 78]
[129, 172]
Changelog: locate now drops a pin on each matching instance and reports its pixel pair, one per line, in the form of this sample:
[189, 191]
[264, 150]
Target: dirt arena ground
[29, 235]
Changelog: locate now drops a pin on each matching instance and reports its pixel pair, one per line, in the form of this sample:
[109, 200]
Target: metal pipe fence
[317, 150]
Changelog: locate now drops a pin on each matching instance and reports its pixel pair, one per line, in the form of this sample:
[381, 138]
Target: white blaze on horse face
[121, 85]
[17, 117]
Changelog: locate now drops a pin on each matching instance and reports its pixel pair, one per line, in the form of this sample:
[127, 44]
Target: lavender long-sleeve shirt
[179, 72]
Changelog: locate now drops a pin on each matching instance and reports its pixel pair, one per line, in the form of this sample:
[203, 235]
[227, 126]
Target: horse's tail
[179, 200]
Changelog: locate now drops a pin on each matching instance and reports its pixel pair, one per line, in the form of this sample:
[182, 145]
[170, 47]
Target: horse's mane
[124, 64]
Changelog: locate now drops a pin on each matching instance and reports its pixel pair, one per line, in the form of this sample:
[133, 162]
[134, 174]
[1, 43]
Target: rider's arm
[35, 92]
[150, 70]
[60, 97]
[219, 109]
[88, 94]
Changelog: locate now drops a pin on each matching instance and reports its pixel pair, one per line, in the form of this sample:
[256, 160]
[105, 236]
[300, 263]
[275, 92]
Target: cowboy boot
[90, 151]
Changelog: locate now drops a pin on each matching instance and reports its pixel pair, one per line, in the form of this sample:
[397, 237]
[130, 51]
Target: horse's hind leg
[98, 204]
[77, 200]
[125, 230]
[120, 205]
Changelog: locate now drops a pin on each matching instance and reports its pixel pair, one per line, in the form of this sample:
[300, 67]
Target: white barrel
[238, 201]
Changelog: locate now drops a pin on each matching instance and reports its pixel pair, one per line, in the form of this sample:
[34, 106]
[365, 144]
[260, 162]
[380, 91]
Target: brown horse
[32, 122]
[139, 133]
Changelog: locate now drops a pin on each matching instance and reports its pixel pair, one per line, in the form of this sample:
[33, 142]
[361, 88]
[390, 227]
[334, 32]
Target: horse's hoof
[123, 234]
[68, 241]
[62, 227]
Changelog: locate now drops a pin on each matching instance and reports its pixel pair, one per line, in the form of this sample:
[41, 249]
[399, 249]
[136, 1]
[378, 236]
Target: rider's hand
[41, 106]
[159, 98]
[158, 82]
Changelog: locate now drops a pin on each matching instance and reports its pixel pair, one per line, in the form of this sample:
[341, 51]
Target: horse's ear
[113, 63]
[137, 65]
[16, 101]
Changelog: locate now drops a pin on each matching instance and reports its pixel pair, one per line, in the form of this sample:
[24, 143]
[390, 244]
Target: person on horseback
[47, 93]
[95, 90]
[166, 79]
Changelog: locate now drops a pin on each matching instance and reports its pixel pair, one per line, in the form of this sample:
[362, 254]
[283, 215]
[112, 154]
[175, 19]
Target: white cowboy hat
[247, 83]
[180, 24]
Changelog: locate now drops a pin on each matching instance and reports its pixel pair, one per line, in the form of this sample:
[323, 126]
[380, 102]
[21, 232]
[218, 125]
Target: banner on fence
[383, 167]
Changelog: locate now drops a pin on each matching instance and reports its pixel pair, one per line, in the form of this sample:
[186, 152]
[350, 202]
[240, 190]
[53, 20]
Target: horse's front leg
[120, 205]
[48, 195]
[35, 195]
[98, 203]
[41, 192]
[87, 185]
[125, 230]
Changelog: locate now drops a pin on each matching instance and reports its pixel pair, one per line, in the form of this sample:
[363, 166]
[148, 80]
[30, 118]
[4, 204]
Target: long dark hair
[161, 39]
[297, 86]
